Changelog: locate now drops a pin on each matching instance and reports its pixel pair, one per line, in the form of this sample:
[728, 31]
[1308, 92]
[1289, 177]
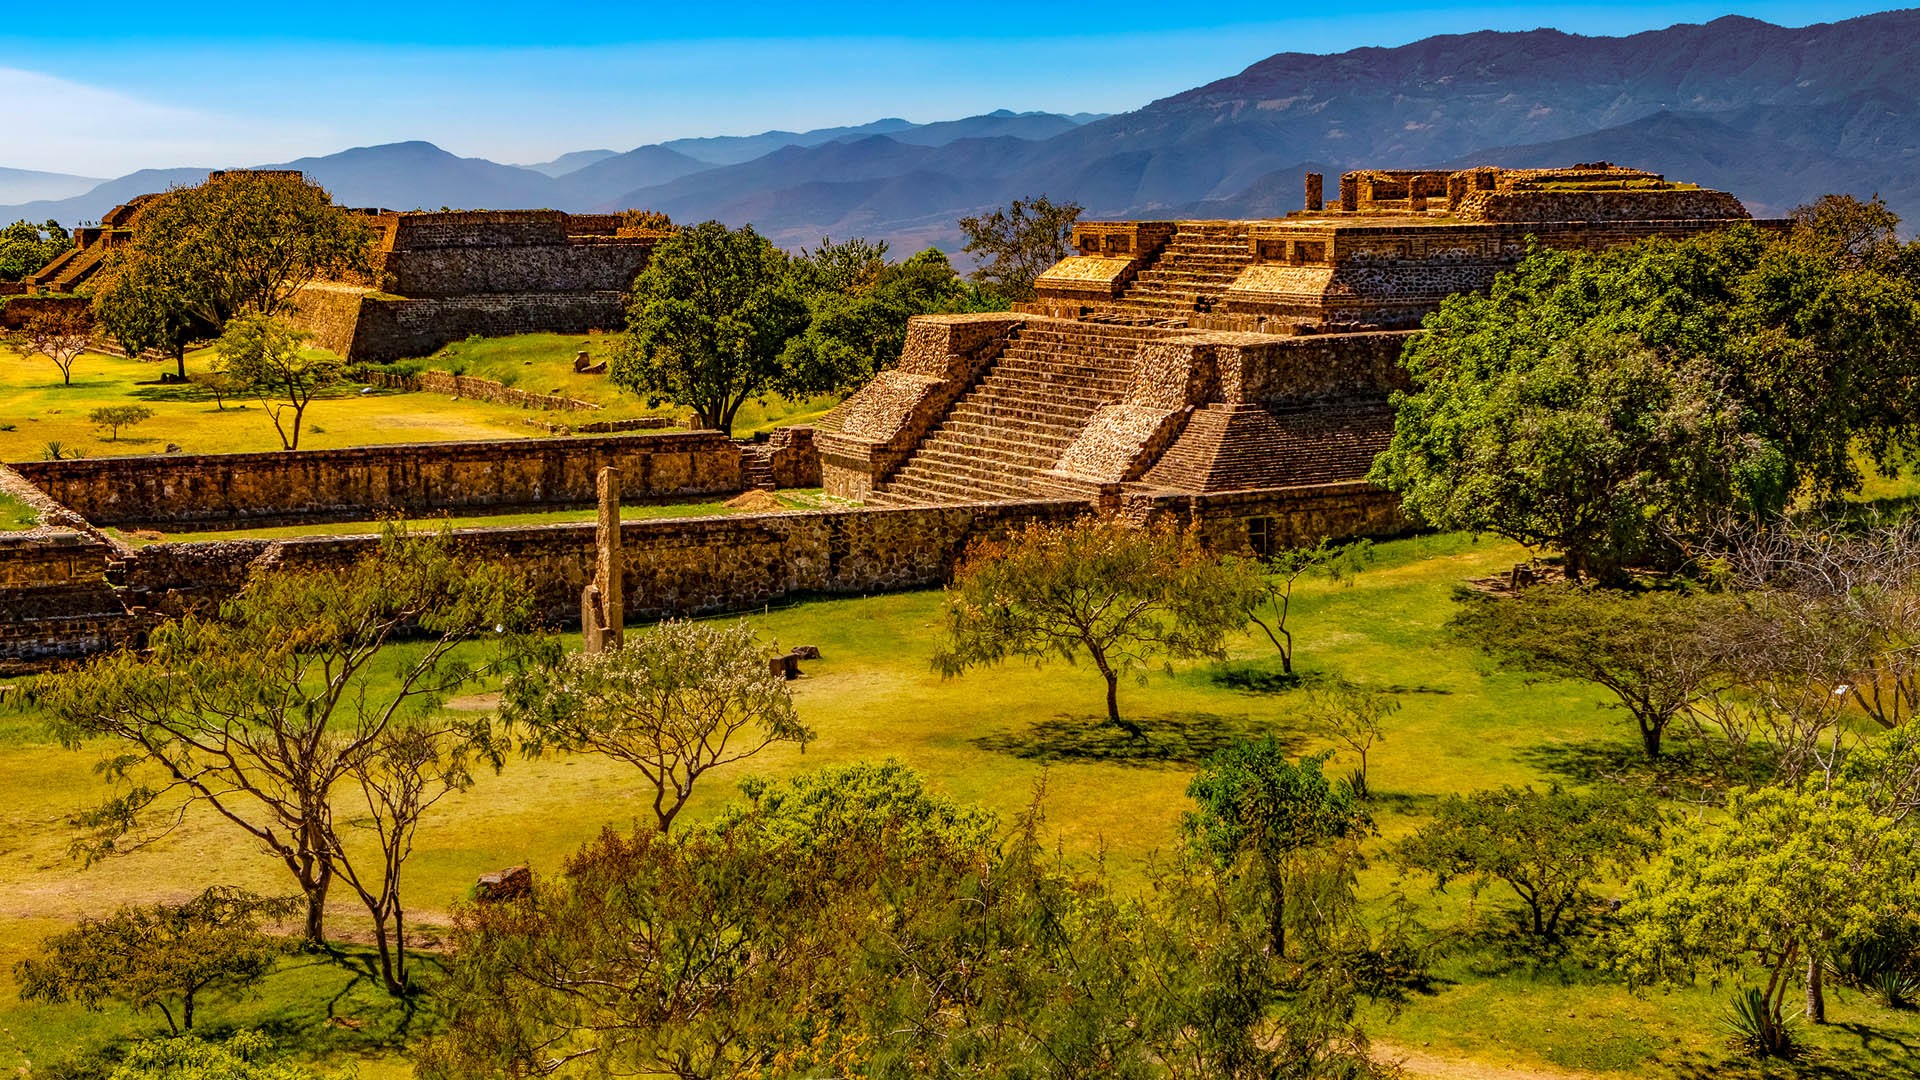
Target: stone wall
[475, 388]
[357, 483]
[1277, 518]
[393, 328]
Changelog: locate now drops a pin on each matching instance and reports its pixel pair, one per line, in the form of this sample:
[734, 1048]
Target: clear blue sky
[109, 87]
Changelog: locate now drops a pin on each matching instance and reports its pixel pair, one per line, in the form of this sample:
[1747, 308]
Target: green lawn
[16, 515]
[989, 737]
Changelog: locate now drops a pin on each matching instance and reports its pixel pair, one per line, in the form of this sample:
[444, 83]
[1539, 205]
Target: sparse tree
[861, 305]
[1120, 595]
[115, 417]
[163, 957]
[264, 357]
[1351, 717]
[264, 714]
[707, 322]
[1339, 562]
[1549, 848]
[61, 335]
[675, 702]
[1016, 244]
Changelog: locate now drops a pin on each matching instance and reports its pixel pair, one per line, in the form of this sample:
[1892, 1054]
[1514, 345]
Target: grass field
[15, 515]
[988, 738]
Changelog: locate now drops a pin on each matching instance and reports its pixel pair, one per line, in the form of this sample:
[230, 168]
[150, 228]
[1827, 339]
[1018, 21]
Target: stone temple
[1236, 372]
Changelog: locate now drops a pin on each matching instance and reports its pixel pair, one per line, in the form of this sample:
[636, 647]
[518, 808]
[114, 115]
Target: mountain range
[1776, 115]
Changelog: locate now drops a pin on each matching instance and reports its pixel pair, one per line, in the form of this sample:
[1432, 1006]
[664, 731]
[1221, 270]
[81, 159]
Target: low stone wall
[474, 388]
[16, 310]
[682, 566]
[227, 489]
[1287, 517]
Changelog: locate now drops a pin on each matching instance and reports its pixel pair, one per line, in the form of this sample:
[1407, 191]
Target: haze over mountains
[1775, 115]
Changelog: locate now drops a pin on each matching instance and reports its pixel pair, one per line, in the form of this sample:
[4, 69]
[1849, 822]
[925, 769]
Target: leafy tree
[267, 713]
[708, 321]
[263, 356]
[1339, 562]
[1118, 594]
[1649, 651]
[61, 335]
[675, 702]
[25, 248]
[1016, 244]
[860, 312]
[115, 417]
[241, 242]
[1788, 880]
[243, 1056]
[159, 956]
[1549, 848]
[1351, 717]
[1291, 826]
[1617, 404]
[149, 304]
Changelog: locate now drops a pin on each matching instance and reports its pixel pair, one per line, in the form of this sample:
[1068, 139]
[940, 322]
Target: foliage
[1116, 593]
[262, 356]
[115, 417]
[1016, 244]
[1616, 404]
[148, 303]
[1549, 848]
[60, 335]
[268, 713]
[808, 815]
[1339, 562]
[1789, 880]
[1756, 1029]
[675, 701]
[860, 306]
[1351, 717]
[1648, 651]
[707, 322]
[159, 956]
[243, 1056]
[25, 248]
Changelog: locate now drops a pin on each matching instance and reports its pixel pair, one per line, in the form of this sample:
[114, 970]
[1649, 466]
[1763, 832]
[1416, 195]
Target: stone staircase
[1192, 273]
[67, 272]
[1018, 419]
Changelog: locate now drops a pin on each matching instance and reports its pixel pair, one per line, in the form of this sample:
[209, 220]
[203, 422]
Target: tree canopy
[1016, 244]
[860, 305]
[263, 356]
[26, 247]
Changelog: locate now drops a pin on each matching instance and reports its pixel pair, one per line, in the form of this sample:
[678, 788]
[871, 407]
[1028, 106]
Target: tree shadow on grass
[1186, 738]
[1598, 761]
[1874, 1053]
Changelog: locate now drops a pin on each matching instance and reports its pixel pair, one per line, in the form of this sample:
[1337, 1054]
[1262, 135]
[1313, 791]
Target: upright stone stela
[601, 616]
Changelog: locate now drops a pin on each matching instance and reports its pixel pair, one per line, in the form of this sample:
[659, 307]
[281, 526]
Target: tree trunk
[391, 974]
[1816, 991]
[1650, 739]
[180, 361]
[316, 894]
[186, 1012]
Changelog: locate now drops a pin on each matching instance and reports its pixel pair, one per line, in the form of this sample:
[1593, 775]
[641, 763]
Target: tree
[25, 248]
[675, 702]
[707, 322]
[149, 304]
[1351, 717]
[1292, 827]
[115, 417]
[1016, 244]
[1118, 594]
[1340, 562]
[159, 956]
[1649, 651]
[241, 242]
[263, 356]
[1549, 848]
[1619, 404]
[1788, 880]
[61, 335]
[262, 713]
[243, 1056]
[861, 305]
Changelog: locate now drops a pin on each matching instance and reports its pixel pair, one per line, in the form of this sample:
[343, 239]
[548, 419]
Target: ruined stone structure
[602, 621]
[438, 278]
[1223, 370]
[91, 245]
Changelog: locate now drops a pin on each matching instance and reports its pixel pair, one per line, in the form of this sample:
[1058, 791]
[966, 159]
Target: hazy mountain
[567, 163]
[420, 175]
[644, 166]
[26, 185]
[104, 197]
[735, 149]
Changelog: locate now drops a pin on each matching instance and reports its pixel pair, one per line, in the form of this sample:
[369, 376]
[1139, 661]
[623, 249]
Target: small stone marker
[513, 883]
[602, 617]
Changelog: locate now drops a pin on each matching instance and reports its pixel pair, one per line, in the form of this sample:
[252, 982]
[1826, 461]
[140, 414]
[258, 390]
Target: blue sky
[111, 87]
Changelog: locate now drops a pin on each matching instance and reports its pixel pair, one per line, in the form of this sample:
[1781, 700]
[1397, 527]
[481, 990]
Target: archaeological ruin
[1232, 374]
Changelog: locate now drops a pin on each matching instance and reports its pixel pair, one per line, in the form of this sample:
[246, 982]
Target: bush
[1752, 1023]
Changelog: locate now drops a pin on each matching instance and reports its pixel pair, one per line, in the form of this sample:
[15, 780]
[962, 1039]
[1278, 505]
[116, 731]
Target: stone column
[1349, 193]
[1315, 201]
[602, 604]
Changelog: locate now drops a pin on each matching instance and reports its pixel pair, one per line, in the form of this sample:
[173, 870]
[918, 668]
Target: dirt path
[1423, 1065]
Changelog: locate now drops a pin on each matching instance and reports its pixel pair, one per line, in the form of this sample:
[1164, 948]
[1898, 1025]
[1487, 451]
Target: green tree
[148, 304]
[265, 713]
[243, 1056]
[1015, 244]
[860, 313]
[1788, 880]
[1651, 651]
[1549, 848]
[1353, 718]
[675, 702]
[163, 957]
[1284, 569]
[265, 357]
[1294, 829]
[1118, 594]
[707, 322]
[115, 417]
[25, 248]
[61, 335]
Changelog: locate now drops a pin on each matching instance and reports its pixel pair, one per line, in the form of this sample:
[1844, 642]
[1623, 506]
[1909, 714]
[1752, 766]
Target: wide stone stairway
[1022, 414]
[1191, 274]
